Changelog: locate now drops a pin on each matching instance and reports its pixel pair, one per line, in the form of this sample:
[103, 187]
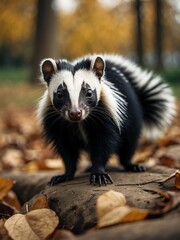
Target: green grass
[172, 76]
[14, 75]
[21, 75]
[15, 90]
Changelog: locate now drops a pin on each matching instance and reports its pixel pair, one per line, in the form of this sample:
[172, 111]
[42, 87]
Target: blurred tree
[93, 26]
[17, 25]
[158, 36]
[45, 35]
[139, 33]
[96, 28]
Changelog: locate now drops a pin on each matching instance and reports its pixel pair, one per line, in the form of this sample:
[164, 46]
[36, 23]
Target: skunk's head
[74, 89]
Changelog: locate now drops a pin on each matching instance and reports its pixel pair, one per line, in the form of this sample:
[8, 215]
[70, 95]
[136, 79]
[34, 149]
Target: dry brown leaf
[111, 210]
[63, 235]
[168, 141]
[35, 225]
[12, 158]
[50, 164]
[169, 156]
[135, 214]
[108, 201]
[151, 162]
[3, 232]
[122, 214]
[12, 200]
[5, 185]
[144, 154]
[31, 167]
[41, 202]
[165, 207]
[167, 161]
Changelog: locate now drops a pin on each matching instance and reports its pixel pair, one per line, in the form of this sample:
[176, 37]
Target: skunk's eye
[60, 94]
[89, 93]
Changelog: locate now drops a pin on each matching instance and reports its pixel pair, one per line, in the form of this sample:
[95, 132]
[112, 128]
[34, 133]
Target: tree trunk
[139, 35]
[45, 42]
[158, 38]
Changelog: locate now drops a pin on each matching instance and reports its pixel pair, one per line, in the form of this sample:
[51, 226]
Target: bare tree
[45, 42]
[139, 35]
[158, 37]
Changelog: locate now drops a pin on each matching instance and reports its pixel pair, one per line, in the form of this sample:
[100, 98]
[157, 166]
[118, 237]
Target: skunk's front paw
[135, 168]
[60, 178]
[100, 178]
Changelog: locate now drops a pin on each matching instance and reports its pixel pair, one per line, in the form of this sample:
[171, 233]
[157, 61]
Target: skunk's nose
[75, 115]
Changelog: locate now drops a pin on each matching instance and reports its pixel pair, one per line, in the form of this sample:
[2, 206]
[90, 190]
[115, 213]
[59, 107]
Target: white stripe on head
[74, 84]
[86, 76]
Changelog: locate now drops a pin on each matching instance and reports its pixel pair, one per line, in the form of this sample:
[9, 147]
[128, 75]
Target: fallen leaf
[168, 141]
[165, 207]
[41, 202]
[111, 210]
[167, 161]
[50, 164]
[151, 162]
[169, 156]
[3, 232]
[12, 200]
[143, 154]
[135, 214]
[5, 185]
[63, 235]
[35, 225]
[12, 158]
[122, 214]
[31, 167]
[108, 201]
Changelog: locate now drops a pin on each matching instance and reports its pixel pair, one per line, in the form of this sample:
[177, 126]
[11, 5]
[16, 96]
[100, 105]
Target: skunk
[101, 104]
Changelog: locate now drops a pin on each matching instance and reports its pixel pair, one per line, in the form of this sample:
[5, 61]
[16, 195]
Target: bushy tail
[158, 104]
[155, 95]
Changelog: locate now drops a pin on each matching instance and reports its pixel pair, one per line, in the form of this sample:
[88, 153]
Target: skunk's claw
[135, 168]
[60, 178]
[100, 178]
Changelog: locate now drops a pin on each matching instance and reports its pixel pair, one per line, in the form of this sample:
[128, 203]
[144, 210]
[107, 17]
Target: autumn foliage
[91, 27]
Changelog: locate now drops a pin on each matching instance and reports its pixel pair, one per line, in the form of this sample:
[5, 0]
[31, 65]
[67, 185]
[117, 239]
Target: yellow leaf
[12, 200]
[111, 210]
[135, 214]
[108, 201]
[5, 185]
[35, 225]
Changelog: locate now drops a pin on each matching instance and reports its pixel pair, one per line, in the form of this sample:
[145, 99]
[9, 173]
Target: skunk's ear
[98, 67]
[48, 67]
